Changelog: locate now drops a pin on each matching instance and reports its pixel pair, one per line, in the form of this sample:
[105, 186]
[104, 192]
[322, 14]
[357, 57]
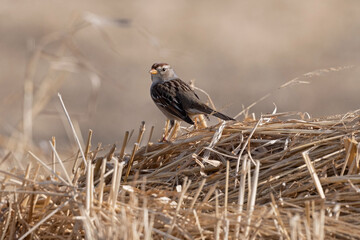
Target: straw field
[283, 176]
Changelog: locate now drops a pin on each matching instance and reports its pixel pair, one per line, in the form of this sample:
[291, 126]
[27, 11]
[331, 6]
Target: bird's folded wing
[165, 97]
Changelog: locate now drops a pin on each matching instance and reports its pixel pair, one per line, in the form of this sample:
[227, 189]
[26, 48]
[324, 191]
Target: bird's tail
[206, 109]
[222, 116]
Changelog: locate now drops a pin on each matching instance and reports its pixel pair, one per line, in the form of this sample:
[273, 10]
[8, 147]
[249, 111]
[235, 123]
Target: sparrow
[175, 98]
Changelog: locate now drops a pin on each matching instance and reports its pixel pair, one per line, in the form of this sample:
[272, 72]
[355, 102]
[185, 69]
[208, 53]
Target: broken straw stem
[313, 174]
[72, 128]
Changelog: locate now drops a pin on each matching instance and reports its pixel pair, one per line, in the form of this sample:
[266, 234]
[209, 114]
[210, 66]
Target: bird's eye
[164, 69]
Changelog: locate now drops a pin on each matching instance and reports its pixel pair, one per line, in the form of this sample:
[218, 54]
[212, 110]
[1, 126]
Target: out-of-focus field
[236, 51]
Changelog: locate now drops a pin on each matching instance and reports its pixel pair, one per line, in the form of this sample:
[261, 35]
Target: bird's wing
[165, 95]
[191, 102]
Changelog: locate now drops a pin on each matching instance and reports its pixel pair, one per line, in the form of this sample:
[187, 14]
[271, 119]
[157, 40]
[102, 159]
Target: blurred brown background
[237, 51]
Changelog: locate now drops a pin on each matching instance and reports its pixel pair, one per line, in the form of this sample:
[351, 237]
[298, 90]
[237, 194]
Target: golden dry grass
[280, 176]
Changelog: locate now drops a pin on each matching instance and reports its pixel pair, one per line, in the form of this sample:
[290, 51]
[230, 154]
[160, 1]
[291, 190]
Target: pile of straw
[281, 177]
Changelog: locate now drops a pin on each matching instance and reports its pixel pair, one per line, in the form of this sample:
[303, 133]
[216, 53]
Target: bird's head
[162, 72]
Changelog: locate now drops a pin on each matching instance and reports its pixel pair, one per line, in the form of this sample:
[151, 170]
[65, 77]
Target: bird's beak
[153, 71]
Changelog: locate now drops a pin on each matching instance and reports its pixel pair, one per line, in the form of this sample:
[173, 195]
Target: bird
[175, 98]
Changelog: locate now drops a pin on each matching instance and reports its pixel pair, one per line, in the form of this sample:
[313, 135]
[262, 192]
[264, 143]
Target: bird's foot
[165, 140]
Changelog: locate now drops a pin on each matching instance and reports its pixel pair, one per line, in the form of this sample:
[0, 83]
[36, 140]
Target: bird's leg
[175, 129]
[166, 130]
[169, 131]
[172, 123]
